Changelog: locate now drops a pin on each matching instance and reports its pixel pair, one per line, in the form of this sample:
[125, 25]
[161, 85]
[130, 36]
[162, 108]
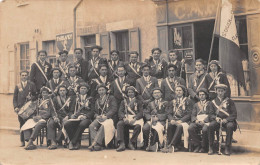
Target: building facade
[136, 25]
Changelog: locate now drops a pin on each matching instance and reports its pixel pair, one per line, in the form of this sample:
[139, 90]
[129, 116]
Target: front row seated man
[155, 116]
[102, 128]
[179, 113]
[199, 121]
[32, 127]
[81, 117]
[224, 112]
[130, 117]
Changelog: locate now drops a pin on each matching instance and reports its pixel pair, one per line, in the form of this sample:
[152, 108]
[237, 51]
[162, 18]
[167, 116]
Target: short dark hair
[81, 50]
[172, 66]
[145, 65]
[42, 51]
[96, 47]
[63, 52]
[134, 52]
[200, 60]
[114, 51]
[102, 65]
[172, 51]
[154, 49]
[24, 71]
[72, 66]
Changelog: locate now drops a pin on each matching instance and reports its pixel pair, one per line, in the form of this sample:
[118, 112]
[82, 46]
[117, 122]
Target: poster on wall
[64, 42]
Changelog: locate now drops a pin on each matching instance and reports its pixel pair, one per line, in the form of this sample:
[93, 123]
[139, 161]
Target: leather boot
[211, 152]
[131, 146]
[121, 147]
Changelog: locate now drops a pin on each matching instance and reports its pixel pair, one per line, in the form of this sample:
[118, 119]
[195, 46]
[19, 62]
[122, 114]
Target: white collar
[103, 79]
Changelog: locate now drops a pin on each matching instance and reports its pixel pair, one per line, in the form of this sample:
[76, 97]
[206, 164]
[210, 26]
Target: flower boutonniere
[225, 104]
[135, 106]
[138, 68]
[46, 68]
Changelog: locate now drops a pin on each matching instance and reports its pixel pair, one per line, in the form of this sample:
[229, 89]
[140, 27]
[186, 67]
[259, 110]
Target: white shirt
[56, 81]
[114, 62]
[42, 62]
[83, 97]
[156, 61]
[121, 79]
[24, 83]
[103, 79]
[147, 79]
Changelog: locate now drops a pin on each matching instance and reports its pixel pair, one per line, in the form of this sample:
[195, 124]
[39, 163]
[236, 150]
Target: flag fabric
[230, 55]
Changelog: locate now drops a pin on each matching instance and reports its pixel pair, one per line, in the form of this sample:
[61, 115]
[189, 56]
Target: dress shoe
[71, 147]
[52, 147]
[97, 147]
[31, 147]
[22, 144]
[227, 150]
[131, 146]
[121, 148]
[77, 146]
[176, 149]
[211, 152]
[197, 149]
[202, 150]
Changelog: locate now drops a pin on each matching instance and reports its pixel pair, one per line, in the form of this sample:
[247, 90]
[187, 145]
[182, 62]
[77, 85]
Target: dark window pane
[122, 45]
[22, 52]
[90, 40]
[244, 49]
[241, 30]
[177, 38]
[187, 37]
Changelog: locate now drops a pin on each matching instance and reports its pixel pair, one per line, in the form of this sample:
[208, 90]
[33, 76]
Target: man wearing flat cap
[223, 113]
[81, 118]
[199, 118]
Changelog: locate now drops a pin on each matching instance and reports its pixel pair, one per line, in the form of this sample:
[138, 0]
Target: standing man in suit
[197, 80]
[56, 80]
[169, 83]
[119, 85]
[146, 83]
[81, 64]
[102, 79]
[73, 81]
[40, 71]
[158, 66]
[63, 63]
[23, 92]
[173, 59]
[113, 63]
[133, 68]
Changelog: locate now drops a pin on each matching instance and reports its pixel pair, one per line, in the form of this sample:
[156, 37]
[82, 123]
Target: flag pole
[213, 36]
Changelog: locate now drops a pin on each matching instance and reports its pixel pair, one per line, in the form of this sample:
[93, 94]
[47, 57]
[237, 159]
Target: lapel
[144, 82]
[40, 64]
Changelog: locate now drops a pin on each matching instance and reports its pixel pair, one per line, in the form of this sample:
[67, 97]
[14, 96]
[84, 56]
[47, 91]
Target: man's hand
[56, 120]
[73, 116]
[126, 121]
[224, 121]
[82, 117]
[16, 110]
[178, 121]
[173, 122]
[218, 119]
[197, 121]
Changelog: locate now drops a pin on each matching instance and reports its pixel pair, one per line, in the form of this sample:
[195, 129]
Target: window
[50, 48]
[24, 57]
[122, 45]
[89, 41]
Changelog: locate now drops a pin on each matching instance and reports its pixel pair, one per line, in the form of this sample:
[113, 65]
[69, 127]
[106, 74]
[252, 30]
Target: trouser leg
[27, 134]
[194, 134]
[37, 129]
[21, 121]
[170, 132]
[177, 135]
[82, 126]
[213, 126]
[71, 127]
[120, 131]
[93, 129]
[229, 129]
[146, 131]
[205, 136]
[51, 129]
[137, 130]
[101, 135]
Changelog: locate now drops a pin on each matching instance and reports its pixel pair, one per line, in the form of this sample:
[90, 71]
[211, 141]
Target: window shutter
[105, 44]
[134, 40]
[162, 32]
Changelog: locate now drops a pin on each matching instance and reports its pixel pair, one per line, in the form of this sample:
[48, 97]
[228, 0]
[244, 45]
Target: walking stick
[220, 137]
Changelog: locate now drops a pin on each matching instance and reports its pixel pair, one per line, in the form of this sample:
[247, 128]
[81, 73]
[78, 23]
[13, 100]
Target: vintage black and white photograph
[129, 82]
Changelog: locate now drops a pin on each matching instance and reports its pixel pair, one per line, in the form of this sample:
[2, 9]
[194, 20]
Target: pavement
[247, 149]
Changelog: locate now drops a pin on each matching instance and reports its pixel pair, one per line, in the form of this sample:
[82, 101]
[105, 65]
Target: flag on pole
[230, 55]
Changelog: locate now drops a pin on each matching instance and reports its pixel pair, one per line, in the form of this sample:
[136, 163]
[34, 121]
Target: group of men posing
[110, 97]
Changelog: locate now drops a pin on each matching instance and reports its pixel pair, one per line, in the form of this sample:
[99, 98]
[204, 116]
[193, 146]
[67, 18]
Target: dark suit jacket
[159, 73]
[182, 114]
[110, 109]
[222, 79]
[194, 82]
[168, 93]
[230, 109]
[65, 68]
[198, 109]
[131, 74]
[82, 67]
[91, 72]
[115, 91]
[86, 111]
[140, 88]
[136, 106]
[36, 75]
[160, 112]
[69, 83]
[53, 86]
[66, 111]
[46, 110]
[20, 94]
[112, 69]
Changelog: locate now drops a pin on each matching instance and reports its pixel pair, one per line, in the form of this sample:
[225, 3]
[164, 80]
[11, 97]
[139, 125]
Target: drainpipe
[75, 23]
